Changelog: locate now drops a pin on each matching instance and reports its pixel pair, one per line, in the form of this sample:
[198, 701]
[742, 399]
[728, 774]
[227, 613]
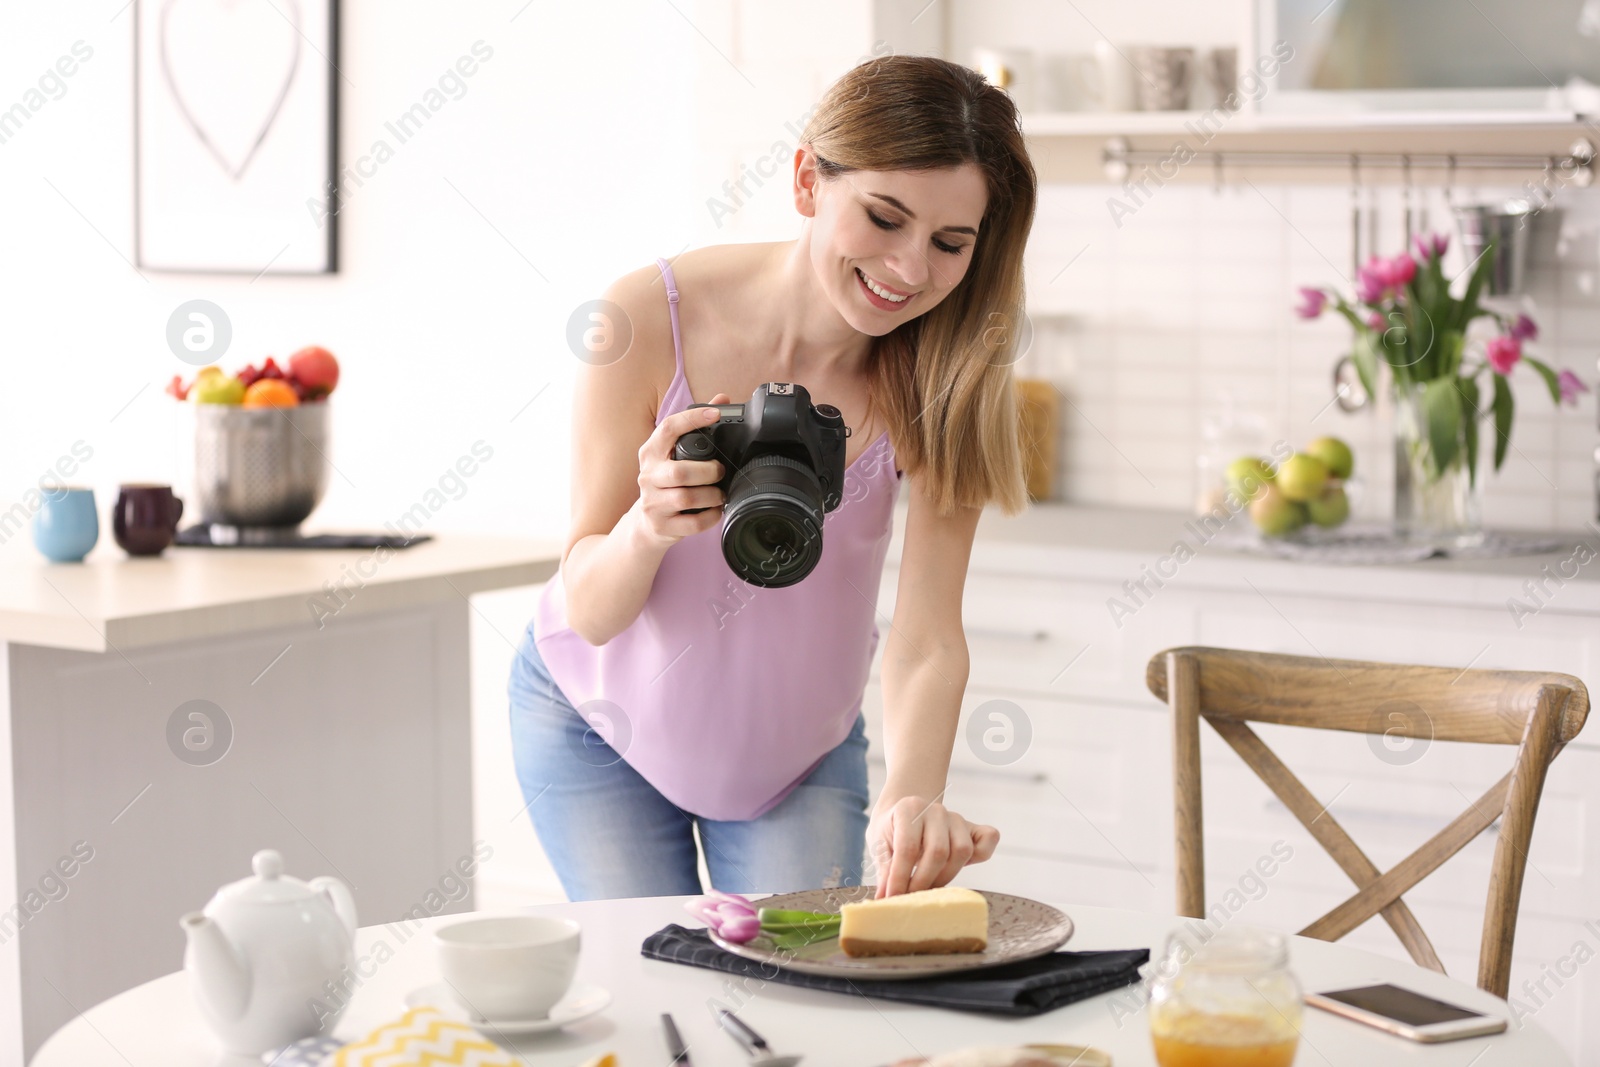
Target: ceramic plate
[1019, 929]
[580, 1002]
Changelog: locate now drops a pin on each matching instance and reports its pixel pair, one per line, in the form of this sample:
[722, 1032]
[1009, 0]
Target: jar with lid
[1229, 1001]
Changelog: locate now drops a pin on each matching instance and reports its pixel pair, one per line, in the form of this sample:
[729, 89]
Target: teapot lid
[269, 885]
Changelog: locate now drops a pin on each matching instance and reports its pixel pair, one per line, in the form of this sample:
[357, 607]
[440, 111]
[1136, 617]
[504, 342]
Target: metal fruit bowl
[260, 466]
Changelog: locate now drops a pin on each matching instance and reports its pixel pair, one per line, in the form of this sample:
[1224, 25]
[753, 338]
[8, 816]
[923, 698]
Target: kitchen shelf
[1133, 123]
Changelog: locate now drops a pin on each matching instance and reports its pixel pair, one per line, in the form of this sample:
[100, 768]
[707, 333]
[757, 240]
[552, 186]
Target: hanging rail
[1578, 165]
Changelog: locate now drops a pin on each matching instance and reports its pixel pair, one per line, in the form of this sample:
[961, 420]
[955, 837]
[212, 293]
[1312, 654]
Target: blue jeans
[609, 833]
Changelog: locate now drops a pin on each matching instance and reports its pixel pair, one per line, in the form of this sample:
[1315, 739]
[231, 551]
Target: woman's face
[908, 233]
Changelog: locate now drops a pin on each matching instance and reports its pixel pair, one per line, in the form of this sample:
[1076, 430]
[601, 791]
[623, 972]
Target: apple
[316, 370]
[1275, 514]
[1302, 478]
[1335, 453]
[1247, 475]
[1331, 508]
[217, 389]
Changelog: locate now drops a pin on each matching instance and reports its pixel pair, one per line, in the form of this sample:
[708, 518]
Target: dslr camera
[783, 461]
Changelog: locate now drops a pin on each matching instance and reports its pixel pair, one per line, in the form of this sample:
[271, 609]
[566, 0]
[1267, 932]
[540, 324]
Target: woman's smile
[881, 296]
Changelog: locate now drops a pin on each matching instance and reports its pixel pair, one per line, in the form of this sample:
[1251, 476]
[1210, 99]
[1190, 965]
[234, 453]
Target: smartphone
[1407, 1014]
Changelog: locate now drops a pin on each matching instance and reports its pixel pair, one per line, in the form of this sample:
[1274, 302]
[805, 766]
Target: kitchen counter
[113, 601]
[167, 717]
[1100, 543]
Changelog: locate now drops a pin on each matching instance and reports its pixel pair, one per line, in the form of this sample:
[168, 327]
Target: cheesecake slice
[931, 921]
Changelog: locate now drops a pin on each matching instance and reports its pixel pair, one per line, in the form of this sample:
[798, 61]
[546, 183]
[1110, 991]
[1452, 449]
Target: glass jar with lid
[1228, 1001]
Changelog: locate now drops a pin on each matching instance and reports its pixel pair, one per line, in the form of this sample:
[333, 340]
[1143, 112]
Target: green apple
[1275, 514]
[1335, 454]
[1331, 508]
[1247, 475]
[218, 389]
[1302, 478]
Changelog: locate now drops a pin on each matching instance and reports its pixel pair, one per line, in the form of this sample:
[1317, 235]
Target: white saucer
[581, 1001]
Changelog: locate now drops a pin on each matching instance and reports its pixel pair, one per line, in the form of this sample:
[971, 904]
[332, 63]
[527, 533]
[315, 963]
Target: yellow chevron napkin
[424, 1037]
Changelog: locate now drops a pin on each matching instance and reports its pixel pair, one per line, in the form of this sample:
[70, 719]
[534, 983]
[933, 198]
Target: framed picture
[236, 136]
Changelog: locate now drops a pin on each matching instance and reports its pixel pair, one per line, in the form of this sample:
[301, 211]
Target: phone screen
[1402, 1005]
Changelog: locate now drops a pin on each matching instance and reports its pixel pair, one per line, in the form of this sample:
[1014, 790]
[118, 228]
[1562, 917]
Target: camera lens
[772, 523]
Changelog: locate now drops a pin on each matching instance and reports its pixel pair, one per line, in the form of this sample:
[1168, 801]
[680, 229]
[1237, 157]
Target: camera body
[783, 470]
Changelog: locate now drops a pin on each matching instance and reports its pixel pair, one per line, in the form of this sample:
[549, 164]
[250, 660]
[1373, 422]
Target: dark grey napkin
[1027, 987]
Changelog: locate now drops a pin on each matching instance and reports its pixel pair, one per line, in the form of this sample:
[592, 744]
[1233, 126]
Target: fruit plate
[1019, 929]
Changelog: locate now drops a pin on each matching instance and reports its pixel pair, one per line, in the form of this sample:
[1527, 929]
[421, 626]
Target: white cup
[1070, 81]
[1117, 77]
[508, 967]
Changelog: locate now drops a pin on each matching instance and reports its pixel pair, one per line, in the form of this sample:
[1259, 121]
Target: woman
[733, 710]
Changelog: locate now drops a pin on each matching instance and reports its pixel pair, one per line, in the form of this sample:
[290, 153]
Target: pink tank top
[725, 696]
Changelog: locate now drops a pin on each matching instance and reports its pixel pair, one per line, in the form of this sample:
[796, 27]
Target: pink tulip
[1370, 287]
[1402, 269]
[1503, 352]
[1571, 386]
[1525, 329]
[1433, 247]
[1375, 320]
[1312, 301]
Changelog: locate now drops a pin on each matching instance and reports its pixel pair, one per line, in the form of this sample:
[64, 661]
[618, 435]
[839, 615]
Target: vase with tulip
[1408, 324]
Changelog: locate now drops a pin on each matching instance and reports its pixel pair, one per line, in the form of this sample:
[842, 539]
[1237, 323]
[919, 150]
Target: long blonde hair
[943, 380]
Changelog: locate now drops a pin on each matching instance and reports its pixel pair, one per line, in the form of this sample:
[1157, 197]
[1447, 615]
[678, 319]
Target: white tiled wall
[1150, 326]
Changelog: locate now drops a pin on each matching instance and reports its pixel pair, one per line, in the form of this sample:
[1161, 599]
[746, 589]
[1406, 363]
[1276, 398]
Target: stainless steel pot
[1507, 224]
[260, 466]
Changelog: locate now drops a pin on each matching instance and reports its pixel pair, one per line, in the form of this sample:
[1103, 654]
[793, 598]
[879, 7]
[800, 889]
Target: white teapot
[261, 956]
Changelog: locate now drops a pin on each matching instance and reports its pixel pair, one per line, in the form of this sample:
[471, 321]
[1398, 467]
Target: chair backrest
[1537, 712]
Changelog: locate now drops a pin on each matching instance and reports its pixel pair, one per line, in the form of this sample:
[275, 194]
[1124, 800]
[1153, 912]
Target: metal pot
[260, 466]
[1506, 223]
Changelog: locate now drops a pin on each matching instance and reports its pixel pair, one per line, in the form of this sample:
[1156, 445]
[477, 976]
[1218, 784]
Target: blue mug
[67, 525]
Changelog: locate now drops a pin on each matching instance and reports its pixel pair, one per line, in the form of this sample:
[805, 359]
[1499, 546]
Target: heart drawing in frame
[229, 65]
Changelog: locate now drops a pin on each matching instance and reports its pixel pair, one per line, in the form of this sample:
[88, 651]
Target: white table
[156, 1024]
[343, 678]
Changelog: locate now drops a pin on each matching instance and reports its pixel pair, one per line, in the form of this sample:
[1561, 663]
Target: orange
[270, 393]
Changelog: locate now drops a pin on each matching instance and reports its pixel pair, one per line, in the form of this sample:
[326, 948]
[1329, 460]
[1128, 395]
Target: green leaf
[1366, 361]
[1468, 390]
[1503, 411]
[1480, 274]
[1551, 381]
[1442, 409]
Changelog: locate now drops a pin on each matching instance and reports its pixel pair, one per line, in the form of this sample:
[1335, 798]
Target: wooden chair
[1539, 713]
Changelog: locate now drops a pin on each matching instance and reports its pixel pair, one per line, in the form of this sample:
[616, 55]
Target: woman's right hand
[669, 487]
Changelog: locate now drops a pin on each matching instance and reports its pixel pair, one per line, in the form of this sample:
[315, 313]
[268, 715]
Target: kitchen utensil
[1011, 69]
[145, 518]
[508, 966]
[264, 953]
[675, 1045]
[581, 1001]
[67, 525]
[1505, 223]
[1019, 929]
[754, 1045]
[1165, 77]
[256, 467]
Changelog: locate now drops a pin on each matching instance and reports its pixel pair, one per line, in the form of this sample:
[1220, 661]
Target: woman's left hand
[921, 844]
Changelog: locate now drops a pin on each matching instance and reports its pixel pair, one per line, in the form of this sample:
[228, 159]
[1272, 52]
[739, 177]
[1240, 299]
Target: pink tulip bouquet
[1405, 318]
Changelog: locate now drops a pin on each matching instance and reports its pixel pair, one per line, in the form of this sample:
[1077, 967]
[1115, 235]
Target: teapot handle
[338, 895]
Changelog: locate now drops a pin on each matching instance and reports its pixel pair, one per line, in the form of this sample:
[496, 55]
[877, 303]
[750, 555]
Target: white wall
[568, 156]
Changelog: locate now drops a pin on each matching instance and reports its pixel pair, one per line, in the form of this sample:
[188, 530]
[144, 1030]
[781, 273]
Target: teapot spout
[217, 973]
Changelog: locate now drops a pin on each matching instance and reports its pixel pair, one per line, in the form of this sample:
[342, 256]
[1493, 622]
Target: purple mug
[145, 518]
